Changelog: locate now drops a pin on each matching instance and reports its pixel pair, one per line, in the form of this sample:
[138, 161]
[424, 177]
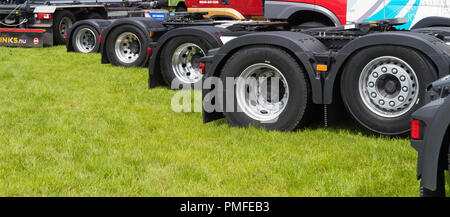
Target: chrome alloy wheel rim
[255, 95]
[185, 62]
[85, 40]
[389, 87]
[127, 47]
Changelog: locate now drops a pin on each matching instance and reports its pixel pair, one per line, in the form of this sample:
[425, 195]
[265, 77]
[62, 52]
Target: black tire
[167, 57]
[354, 103]
[78, 31]
[59, 30]
[95, 15]
[298, 107]
[142, 53]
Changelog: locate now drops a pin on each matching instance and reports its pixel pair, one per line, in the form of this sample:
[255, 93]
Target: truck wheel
[63, 20]
[85, 39]
[381, 86]
[254, 101]
[182, 58]
[126, 46]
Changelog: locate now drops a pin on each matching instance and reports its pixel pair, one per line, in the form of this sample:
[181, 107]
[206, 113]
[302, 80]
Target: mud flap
[25, 37]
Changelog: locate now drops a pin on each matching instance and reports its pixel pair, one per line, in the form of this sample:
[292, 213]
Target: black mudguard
[432, 22]
[99, 24]
[303, 47]
[436, 119]
[435, 49]
[210, 34]
[147, 25]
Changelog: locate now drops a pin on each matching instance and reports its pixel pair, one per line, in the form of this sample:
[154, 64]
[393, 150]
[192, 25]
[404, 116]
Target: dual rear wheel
[380, 86]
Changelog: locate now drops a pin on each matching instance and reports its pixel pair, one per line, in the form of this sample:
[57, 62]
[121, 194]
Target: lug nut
[402, 78]
[374, 95]
[394, 71]
[401, 98]
[382, 102]
[384, 69]
[371, 84]
[405, 89]
[392, 104]
[375, 75]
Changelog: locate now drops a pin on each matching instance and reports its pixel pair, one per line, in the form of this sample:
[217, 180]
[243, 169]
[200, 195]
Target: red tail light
[415, 130]
[44, 16]
[65, 36]
[149, 51]
[99, 38]
[202, 68]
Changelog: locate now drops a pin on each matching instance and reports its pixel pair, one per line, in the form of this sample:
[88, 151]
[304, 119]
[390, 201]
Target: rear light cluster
[202, 68]
[44, 16]
[416, 133]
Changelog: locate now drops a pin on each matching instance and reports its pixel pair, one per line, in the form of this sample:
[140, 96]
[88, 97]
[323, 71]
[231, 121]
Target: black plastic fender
[436, 119]
[145, 24]
[98, 24]
[303, 47]
[210, 34]
[435, 49]
[432, 22]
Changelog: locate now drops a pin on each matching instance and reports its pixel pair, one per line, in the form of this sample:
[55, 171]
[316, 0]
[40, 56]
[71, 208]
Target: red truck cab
[324, 12]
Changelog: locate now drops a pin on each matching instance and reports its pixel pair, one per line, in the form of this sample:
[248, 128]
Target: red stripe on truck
[23, 30]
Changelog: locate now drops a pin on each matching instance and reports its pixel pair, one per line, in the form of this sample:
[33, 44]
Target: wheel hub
[389, 87]
[186, 61]
[128, 47]
[257, 93]
[85, 40]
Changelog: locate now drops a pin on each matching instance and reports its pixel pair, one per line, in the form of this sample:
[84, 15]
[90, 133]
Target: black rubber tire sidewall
[167, 53]
[57, 38]
[74, 36]
[350, 90]
[111, 40]
[299, 91]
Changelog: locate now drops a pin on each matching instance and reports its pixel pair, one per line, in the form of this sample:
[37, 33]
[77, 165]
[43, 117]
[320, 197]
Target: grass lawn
[70, 126]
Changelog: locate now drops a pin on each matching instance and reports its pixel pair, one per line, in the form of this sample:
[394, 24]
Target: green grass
[70, 126]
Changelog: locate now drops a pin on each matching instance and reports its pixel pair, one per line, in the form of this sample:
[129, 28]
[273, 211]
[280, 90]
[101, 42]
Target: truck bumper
[15, 37]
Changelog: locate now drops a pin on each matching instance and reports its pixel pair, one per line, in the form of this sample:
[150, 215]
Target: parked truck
[430, 136]
[336, 61]
[37, 23]
[378, 71]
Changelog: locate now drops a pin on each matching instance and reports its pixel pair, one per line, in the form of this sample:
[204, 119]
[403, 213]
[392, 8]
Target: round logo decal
[36, 41]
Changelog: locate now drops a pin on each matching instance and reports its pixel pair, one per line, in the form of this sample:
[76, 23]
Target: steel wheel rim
[389, 87]
[64, 25]
[185, 62]
[250, 94]
[85, 40]
[128, 47]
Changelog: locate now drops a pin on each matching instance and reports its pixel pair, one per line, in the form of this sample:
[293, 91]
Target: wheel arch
[302, 47]
[97, 24]
[429, 46]
[209, 34]
[279, 10]
[146, 25]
